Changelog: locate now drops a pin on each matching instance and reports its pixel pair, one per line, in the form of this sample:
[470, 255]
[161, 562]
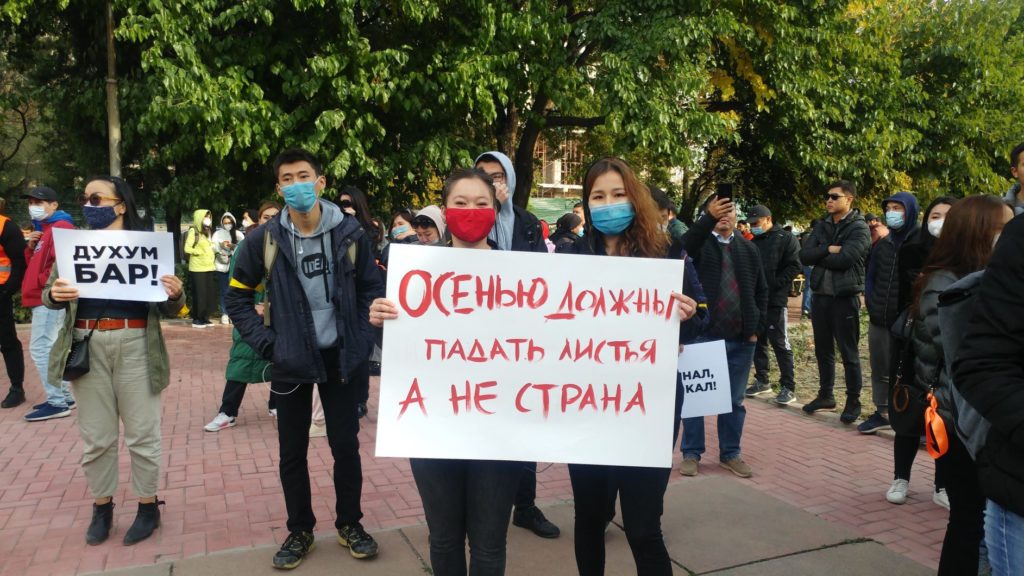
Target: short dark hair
[469, 174]
[661, 199]
[577, 205]
[1015, 154]
[845, 185]
[294, 155]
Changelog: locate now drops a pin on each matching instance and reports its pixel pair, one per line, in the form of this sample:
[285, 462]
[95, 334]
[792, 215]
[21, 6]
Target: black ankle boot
[147, 520]
[99, 528]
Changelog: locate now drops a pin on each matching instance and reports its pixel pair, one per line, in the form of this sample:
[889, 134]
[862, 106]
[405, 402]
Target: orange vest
[5, 260]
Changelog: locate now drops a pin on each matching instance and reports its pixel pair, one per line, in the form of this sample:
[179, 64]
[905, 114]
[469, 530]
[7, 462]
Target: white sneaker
[224, 319]
[941, 498]
[272, 412]
[897, 493]
[219, 423]
[316, 431]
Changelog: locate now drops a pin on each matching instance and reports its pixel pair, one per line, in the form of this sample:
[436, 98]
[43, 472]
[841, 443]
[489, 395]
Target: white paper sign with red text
[529, 357]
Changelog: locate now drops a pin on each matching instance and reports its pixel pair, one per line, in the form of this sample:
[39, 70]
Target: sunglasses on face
[345, 204]
[833, 197]
[96, 198]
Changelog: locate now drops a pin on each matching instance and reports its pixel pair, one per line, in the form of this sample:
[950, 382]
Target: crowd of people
[301, 282]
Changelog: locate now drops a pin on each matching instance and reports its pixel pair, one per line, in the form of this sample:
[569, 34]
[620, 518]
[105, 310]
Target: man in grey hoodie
[1015, 195]
[316, 330]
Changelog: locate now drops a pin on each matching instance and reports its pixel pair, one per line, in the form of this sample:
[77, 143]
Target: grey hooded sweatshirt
[316, 269]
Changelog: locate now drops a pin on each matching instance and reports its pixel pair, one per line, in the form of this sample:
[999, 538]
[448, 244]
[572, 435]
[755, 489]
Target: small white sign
[705, 374]
[115, 264]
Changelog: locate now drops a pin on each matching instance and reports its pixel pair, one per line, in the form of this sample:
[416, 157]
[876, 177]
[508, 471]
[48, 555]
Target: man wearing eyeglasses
[837, 249]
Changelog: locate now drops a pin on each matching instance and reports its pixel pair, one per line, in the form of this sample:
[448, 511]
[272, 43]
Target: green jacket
[159, 365]
[199, 246]
[244, 363]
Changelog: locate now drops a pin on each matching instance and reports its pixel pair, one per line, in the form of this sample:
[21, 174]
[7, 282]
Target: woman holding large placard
[621, 219]
[125, 369]
[464, 498]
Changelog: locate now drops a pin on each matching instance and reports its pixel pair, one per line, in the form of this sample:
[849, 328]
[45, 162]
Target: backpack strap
[270, 249]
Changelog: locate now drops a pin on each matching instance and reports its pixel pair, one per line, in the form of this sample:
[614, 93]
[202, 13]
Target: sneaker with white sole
[48, 412]
[220, 422]
[224, 319]
[897, 493]
[941, 498]
[272, 412]
[758, 388]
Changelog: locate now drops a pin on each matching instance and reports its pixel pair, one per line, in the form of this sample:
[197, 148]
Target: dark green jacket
[244, 363]
[159, 365]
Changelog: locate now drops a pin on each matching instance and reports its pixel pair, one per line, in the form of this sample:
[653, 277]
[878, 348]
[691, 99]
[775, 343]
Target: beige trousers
[117, 387]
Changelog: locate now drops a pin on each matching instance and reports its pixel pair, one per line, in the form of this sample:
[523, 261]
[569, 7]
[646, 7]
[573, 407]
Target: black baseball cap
[757, 212]
[869, 217]
[42, 193]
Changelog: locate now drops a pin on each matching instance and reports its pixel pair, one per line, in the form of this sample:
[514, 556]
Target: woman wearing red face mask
[464, 498]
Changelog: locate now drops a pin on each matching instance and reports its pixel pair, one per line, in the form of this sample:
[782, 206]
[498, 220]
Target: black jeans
[10, 345]
[204, 296]
[466, 498]
[966, 527]
[642, 492]
[837, 319]
[526, 493]
[294, 414]
[231, 401]
[775, 336]
[360, 378]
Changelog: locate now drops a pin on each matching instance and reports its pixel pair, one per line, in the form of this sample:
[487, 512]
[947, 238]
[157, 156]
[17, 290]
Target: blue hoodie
[57, 216]
[505, 223]
[882, 280]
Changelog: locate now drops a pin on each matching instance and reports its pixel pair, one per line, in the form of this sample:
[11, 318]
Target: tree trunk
[113, 116]
[173, 217]
[523, 162]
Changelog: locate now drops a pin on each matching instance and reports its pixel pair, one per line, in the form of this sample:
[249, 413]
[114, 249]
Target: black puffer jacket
[845, 268]
[929, 359]
[780, 255]
[989, 369]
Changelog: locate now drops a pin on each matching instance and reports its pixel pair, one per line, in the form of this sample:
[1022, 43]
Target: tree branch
[577, 121]
[17, 141]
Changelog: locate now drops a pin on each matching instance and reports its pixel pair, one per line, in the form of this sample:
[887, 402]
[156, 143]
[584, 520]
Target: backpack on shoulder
[956, 306]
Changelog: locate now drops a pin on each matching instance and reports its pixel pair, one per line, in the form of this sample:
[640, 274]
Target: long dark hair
[362, 206]
[965, 245]
[644, 236]
[234, 226]
[926, 237]
[132, 220]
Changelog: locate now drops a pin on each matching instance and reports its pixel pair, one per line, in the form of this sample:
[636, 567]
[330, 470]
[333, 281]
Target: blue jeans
[740, 355]
[1004, 537]
[467, 499]
[806, 308]
[223, 280]
[46, 324]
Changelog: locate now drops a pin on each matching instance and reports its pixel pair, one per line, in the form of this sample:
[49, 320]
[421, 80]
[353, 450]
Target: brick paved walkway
[223, 492]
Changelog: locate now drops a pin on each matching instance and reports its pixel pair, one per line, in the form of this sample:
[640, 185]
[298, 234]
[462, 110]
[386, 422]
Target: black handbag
[907, 402]
[77, 364]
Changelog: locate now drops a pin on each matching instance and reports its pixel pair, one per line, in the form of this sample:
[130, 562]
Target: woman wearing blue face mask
[128, 368]
[622, 220]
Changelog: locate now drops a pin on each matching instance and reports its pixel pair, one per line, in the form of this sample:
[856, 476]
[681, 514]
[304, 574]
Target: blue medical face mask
[612, 219]
[99, 217]
[580, 232]
[301, 196]
[396, 232]
[756, 230]
[894, 219]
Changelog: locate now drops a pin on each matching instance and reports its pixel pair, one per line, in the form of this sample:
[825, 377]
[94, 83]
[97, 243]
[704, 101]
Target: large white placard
[531, 357]
[115, 264]
[704, 371]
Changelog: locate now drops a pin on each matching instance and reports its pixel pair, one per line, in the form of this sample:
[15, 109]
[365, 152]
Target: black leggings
[904, 449]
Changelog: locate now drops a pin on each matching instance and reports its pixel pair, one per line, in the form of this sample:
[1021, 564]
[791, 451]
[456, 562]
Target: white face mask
[229, 226]
[207, 222]
[37, 212]
[935, 227]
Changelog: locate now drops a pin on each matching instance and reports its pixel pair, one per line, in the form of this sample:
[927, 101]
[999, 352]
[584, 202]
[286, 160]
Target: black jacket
[563, 240]
[290, 341]
[989, 369]
[707, 255]
[846, 267]
[526, 233]
[780, 256]
[883, 280]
